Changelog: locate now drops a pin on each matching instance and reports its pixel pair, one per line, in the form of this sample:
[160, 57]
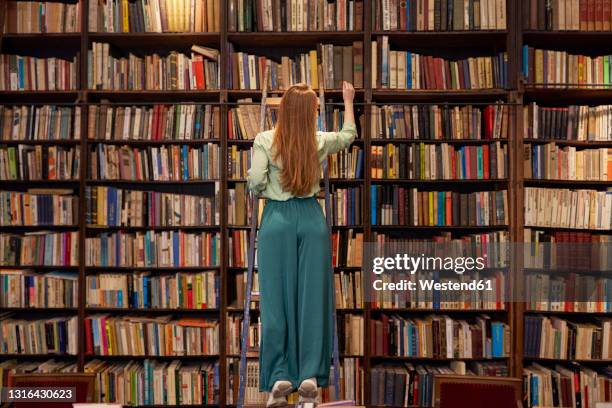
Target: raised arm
[336, 141]
[257, 177]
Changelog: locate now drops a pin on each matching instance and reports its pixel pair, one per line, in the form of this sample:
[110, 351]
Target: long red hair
[295, 143]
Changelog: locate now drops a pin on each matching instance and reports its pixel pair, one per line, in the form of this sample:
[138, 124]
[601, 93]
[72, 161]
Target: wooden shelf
[481, 38]
[129, 269]
[148, 182]
[199, 142]
[565, 360]
[149, 357]
[298, 38]
[436, 311]
[405, 358]
[151, 311]
[560, 95]
[569, 183]
[453, 181]
[169, 40]
[29, 228]
[577, 143]
[19, 97]
[437, 228]
[437, 141]
[165, 228]
[438, 96]
[136, 97]
[40, 142]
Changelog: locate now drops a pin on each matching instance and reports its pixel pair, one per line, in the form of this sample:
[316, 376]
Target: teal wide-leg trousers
[296, 283]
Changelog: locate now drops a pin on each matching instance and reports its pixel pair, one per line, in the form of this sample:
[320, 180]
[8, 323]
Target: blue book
[185, 163]
[535, 398]
[463, 163]
[526, 61]
[373, 203]
[408, 16]
[145, 292]
[479, 164]
[385, 62]
[103, 249]
[175, 249]
[497, 333]
[21, 76]
[359, 170]
[408, 68]
[148, 259]
[245, 67]
[536, 161]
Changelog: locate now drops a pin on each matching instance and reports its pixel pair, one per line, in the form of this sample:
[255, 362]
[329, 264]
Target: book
[109, 206]
[439, 161]
[155, 16]
[154, 123]
[337, 64]
[172, 71]
[408, 15]
[551, 68]
[147, 290]
[568, 208]
[571, 385]
[440, 337]
[30, 73]
[234, 330]
[436, 122]
[552, 162]
[38, 162]
[567, 15]
[55, 335]
[40, 248]
[108, 335]
[39, 207]
[40, 122]
[27, 289]
[574, 122]
[42, 17]
[411, 70]
[555, 338]
[572, 292]
[292, 15]
[437, 208]
[163, 249]
[154, 163]
[201, 379]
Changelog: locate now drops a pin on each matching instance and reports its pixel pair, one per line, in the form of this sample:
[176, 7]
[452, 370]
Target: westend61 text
[430, 284]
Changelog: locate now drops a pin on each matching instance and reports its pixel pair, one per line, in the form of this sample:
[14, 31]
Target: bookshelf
[447, 44]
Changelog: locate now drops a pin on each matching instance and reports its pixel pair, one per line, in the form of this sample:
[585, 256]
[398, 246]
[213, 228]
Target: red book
[599, 16]
[88, 337]
[488, 122]
[583, 12]
[198, 68]
[402, 12]
[449, 208]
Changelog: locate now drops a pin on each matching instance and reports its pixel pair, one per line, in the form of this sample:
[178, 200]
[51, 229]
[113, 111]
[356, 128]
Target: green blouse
[264, 174]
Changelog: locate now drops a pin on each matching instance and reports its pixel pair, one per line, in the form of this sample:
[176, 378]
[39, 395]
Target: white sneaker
[278, 395]
[308, 390]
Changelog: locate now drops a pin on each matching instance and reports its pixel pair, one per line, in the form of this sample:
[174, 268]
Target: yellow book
[198, 292]
[109, 339]
[430, 207]
[126, 16]
[314, 75]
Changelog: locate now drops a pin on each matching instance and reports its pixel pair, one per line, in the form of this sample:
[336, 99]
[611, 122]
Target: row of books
[567, 250]
[552, 162]
[154, 123]
[109, 206]
[25, 288]
[238, 162]
[439, 122]
[234, 337]
[440, 337]
[565, 208]
[551, 68]
[55, 335]
[568, 293]
[150, 382]
[155, 163]
[145, 290]
[347, 248]
[42, 17]
[109, 335]
[574, 122]
[346, 164]
[156, 16]
[27, 162]
[38, 207]
[439, 161]
[411, 385]
[153, 249]
[338, 63]
[351, 374]
[567, 15]
[490, 299]
[439, 15]
[295, 15]
[556, 338]
[8, 367]
[172, 71]
[396, 205]
[28, 73]
[40, 248]
[560, 386]
[410, 70]
[490, 245]
[40, 122]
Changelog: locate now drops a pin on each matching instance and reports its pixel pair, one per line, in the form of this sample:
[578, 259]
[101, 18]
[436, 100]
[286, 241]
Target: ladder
[265, 102]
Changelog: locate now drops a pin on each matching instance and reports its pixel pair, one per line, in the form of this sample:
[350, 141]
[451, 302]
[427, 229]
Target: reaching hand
[348, 92]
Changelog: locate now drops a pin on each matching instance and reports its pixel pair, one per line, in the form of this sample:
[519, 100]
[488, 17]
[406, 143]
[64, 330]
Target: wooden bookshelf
[516, 94]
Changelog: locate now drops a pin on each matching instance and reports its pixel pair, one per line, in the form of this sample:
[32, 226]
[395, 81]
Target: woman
[294, 251]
